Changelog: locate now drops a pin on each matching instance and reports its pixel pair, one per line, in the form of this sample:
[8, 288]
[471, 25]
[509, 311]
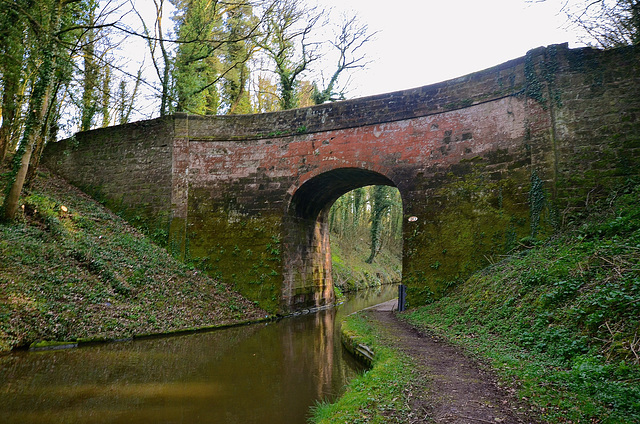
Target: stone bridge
[481, 162]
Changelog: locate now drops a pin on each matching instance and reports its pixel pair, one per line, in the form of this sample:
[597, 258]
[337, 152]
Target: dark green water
[262, 373]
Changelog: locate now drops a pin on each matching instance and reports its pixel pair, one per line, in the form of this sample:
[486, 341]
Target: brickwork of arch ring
[384, 173]
[307, 280]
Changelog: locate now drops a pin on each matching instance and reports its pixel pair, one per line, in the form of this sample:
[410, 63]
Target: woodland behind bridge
[64, 65]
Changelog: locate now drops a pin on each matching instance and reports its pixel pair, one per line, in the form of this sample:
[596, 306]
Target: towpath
[453, 388]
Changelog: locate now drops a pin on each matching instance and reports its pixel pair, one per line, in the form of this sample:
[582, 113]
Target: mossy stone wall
[483, 163]
[596, 123]
[127, 167]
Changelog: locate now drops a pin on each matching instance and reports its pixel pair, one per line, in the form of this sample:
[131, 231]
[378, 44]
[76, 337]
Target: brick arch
[323, 188]
[240, 192]
[307, 275]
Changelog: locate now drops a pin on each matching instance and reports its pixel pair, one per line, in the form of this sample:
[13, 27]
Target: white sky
[421, 42]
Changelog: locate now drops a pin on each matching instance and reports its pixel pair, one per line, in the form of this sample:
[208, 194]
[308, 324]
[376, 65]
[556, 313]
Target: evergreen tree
[197, 66]
[240, 27]
[211, 71]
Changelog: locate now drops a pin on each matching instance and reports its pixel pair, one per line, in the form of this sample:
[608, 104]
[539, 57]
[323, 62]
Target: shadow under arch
[307, 281]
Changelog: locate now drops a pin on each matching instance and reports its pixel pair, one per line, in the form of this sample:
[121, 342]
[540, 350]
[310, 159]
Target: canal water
[260, 373]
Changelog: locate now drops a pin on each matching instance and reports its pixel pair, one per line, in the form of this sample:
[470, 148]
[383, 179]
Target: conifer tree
[240, 29]
[197, 67]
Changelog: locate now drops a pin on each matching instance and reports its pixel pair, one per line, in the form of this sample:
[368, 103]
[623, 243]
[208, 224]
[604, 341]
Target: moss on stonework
[241, 251]
[177, 238]
[470, 222]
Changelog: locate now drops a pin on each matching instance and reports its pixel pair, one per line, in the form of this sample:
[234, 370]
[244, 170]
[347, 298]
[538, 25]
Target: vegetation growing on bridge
[474, 220]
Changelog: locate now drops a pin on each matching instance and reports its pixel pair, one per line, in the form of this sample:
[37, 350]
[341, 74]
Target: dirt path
[455, 388]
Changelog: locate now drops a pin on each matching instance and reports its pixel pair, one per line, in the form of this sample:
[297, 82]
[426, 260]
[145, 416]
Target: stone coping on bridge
[503, 80]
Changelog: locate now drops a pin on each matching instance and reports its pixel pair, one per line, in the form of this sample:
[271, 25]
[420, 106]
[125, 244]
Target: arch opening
[320, 192]
[366, 238]
[308, 281]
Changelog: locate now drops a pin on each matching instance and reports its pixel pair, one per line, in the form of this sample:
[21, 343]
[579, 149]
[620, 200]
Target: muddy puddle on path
[261, 373]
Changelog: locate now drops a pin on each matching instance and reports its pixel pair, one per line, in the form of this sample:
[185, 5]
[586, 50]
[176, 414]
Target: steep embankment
[560, 320]
[70, 270]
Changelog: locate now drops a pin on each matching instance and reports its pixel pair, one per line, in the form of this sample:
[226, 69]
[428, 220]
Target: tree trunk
[90, 82]
[8, 119]
[106, 96]
[42, 136]
[12, 51]
[37, 113]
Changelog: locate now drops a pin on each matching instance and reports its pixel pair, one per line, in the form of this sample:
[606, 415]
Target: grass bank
[70, 270]
[560, 320]
[350, 270]
[380, 395]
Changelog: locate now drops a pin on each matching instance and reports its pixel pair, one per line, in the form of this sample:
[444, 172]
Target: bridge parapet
[248, 195]
[507, 79]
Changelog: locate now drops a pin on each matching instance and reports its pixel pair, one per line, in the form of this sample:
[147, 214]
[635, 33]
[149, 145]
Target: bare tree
[610, 23]
[351, 36]
[157, 42]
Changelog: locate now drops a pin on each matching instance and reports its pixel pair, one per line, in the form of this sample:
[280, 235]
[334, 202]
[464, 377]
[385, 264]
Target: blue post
[402, 295]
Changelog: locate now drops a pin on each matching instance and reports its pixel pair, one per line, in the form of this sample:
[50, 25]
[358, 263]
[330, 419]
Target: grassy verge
[561, 320]
[378, 395]
[70, 270]
[350, 270]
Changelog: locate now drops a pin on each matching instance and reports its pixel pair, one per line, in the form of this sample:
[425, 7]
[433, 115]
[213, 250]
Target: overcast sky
[422, 42]
[419, 42]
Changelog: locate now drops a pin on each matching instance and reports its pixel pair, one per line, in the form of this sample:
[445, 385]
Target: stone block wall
[127, 167]
[595, 101]
[480, 161]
